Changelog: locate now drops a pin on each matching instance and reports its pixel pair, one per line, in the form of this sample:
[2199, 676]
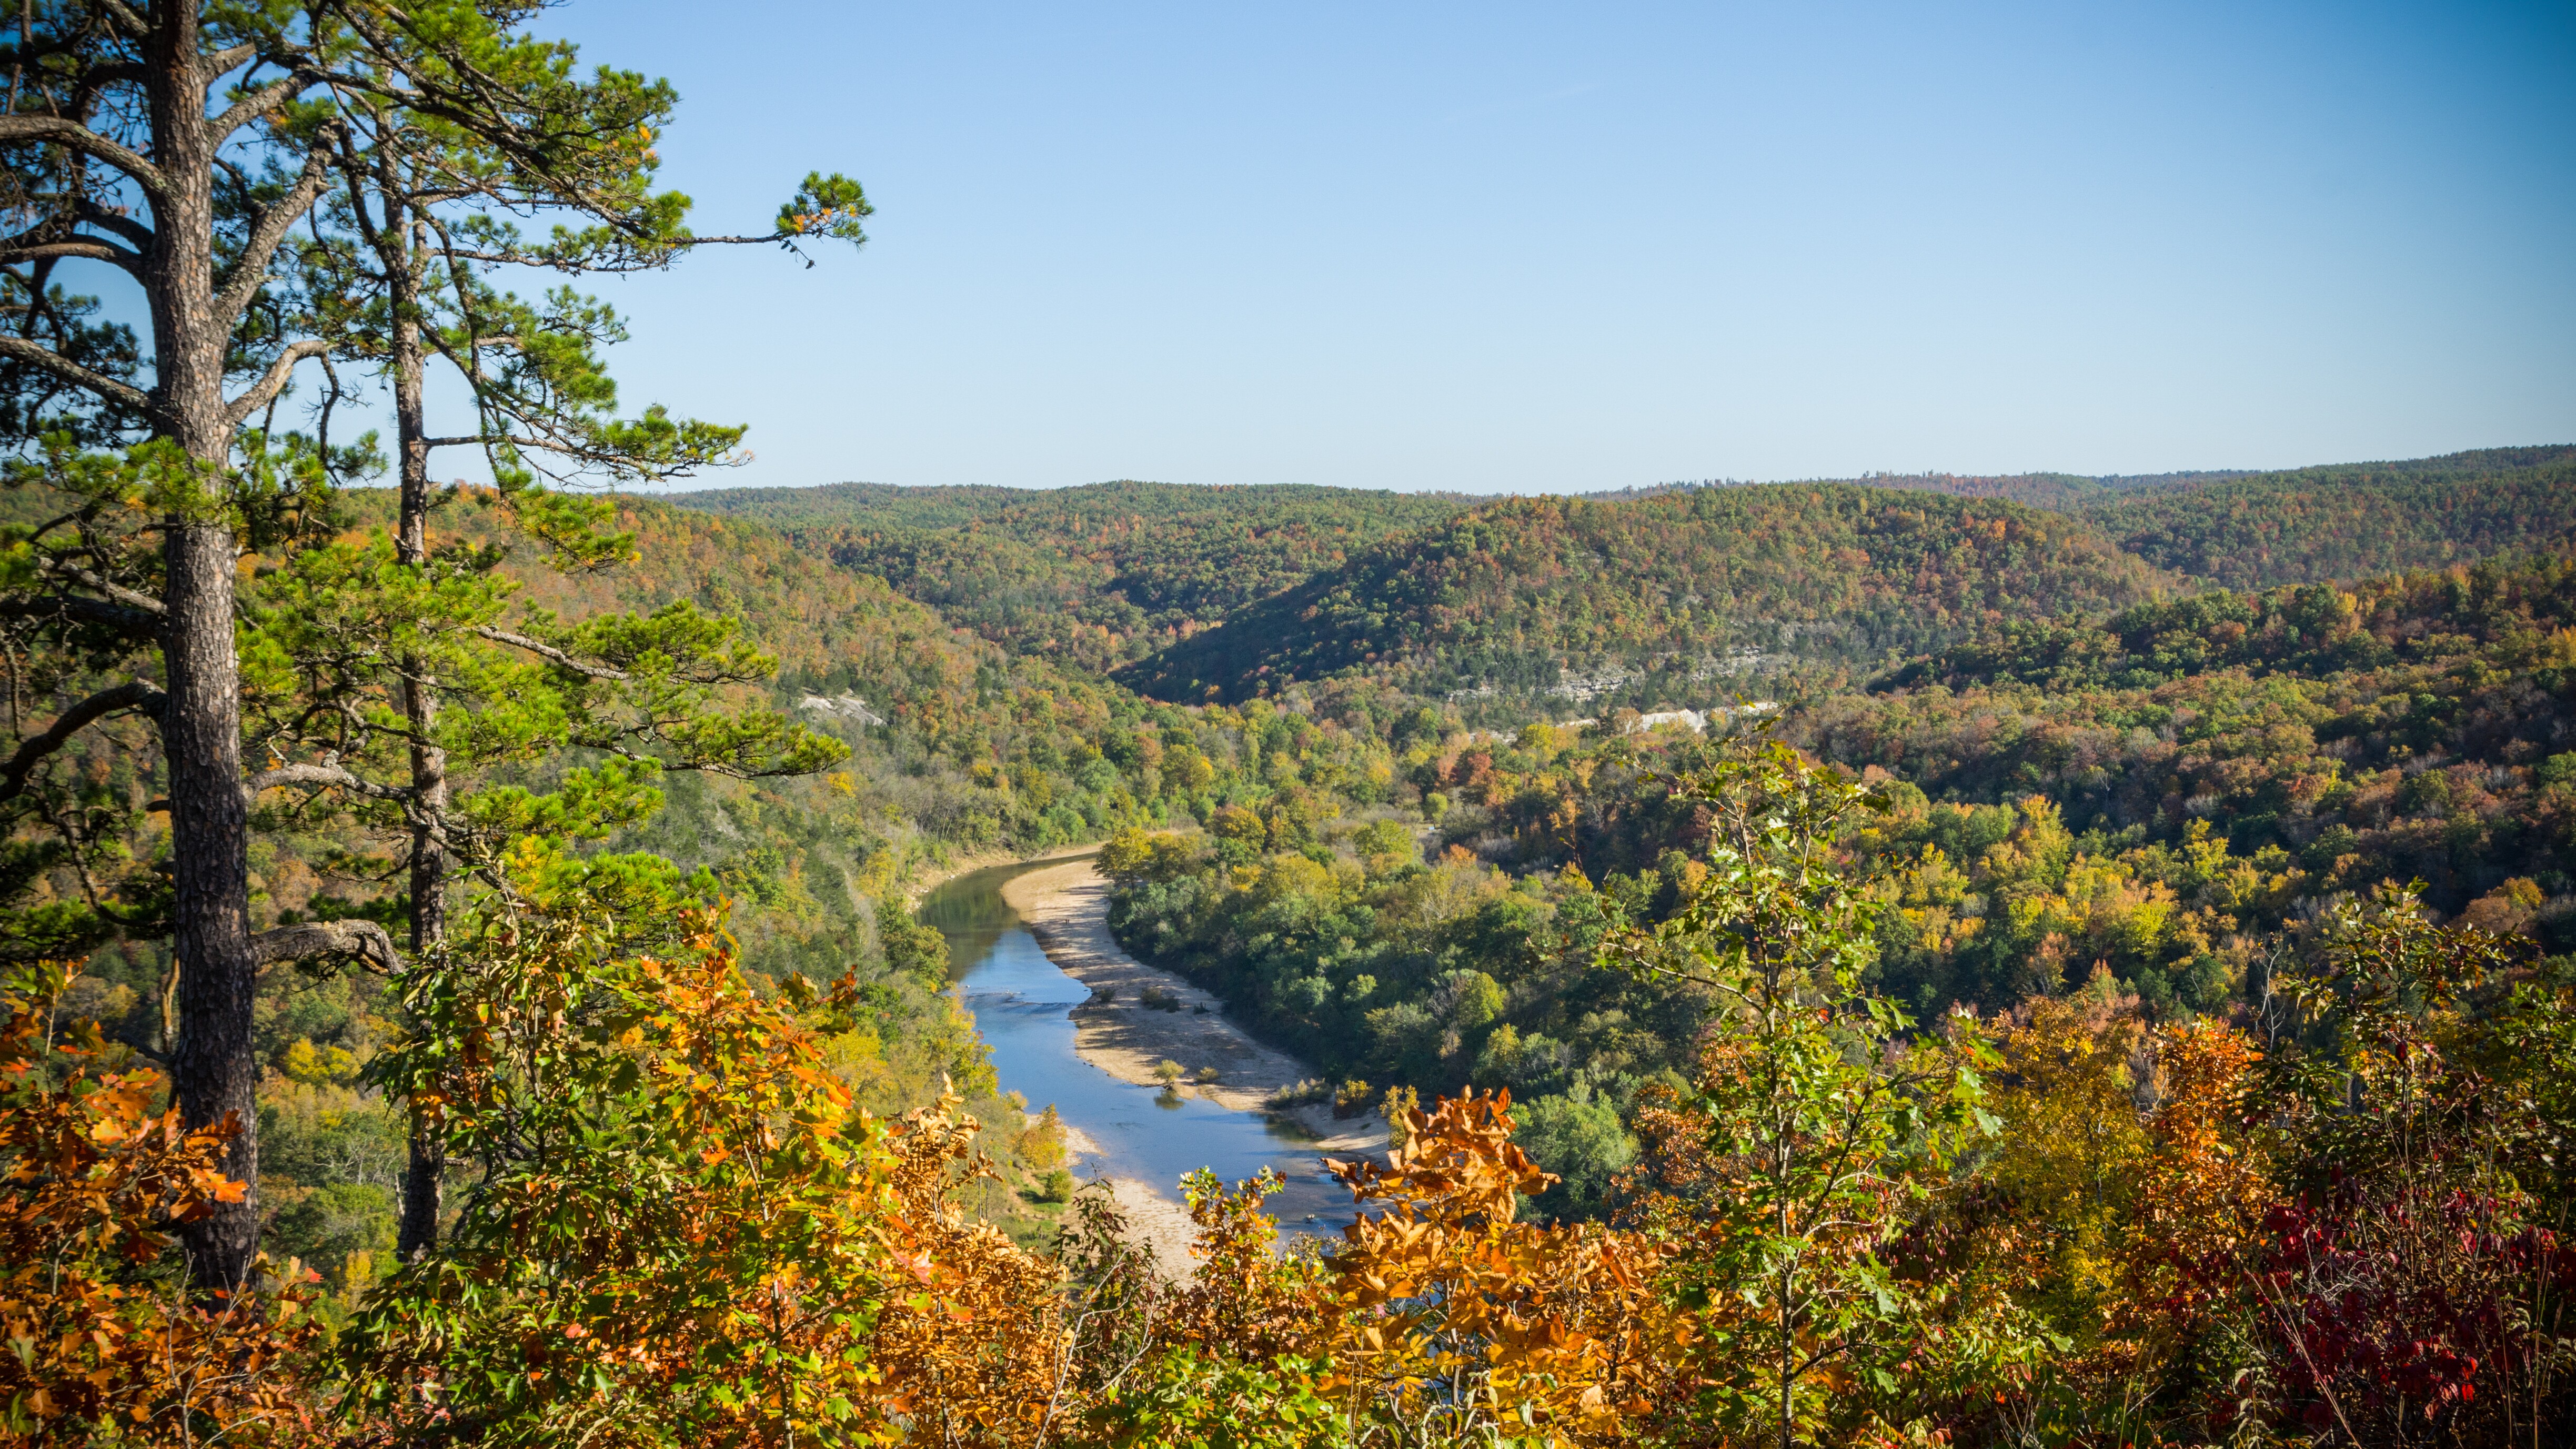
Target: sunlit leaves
[100, 1337]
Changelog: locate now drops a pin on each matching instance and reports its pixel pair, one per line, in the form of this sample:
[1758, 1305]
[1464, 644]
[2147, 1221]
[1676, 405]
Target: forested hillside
[959, 749]
[2350, 521]
[2421, 726]
[807, 857]
[1095, 575]
[1581, 600]
[1637, 597]
[2150, 808]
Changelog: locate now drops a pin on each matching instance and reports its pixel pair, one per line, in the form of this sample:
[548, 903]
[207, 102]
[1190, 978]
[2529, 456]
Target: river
[1023, 1006]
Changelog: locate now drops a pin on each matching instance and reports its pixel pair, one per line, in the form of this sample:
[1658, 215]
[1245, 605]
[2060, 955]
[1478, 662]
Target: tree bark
[214, 1072]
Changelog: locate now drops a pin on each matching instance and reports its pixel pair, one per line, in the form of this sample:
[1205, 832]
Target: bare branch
[136, 622]
[72, 134]
[548, 652]
[71, 572]
[527, 257]
[216, 62]
[326, 777]
[259, 102]
[134, 694]
[363, 939]
[127, 16]
[35, 354]
[274, 381]
[46, 227]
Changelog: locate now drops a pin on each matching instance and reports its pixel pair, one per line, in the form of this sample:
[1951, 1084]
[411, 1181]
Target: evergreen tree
[182, 144]
[418, 219]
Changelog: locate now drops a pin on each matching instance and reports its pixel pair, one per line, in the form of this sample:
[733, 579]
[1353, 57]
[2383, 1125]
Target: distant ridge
[2348, 521]
[1181, 590]
[947, 505]
[1586, 599]
[2039, 490]
[2252, 529]
[1096, 575]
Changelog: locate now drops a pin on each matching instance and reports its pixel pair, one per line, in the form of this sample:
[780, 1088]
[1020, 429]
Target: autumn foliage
[105, 1343]
[2335, 1220]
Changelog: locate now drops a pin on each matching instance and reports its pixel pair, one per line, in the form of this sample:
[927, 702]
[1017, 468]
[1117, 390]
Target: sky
[1505, 248]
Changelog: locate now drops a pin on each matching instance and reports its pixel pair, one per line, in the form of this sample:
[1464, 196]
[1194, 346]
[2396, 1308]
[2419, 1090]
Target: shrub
[1352, 1100]
[1302, 1093]
[1056, 1186]
[1399, 1102]
[1577, 1136]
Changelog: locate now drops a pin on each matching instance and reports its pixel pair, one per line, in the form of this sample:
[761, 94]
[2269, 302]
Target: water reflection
[1023, 1003]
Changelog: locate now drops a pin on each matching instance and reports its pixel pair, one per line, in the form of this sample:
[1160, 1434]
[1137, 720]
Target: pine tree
[181, 144]
[419, 217]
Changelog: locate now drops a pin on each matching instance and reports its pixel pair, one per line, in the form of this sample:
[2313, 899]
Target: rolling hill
[1641, 592]
[1095, 575]
[1584, 600]
[2350, 521]
[2341, 521]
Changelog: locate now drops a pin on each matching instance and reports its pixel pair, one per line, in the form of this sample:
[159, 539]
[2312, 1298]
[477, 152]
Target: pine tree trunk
[214, 1071]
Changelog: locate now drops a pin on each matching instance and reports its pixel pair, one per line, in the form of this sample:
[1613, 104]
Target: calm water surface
[1023, 1006]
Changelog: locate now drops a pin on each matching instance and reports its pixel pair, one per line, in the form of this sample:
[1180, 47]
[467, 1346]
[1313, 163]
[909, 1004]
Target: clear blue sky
[1516, 248]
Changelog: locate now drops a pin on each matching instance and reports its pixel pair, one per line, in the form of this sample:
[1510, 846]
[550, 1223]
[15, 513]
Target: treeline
[1644, 597]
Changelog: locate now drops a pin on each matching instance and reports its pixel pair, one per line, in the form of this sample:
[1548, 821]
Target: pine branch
[274, 381]
[261, 102]
[35, 354]
[250, 270]
[134, 694]
[331, 777]
[548, 652]
[77, 137]
[140, 603]
[79, 250]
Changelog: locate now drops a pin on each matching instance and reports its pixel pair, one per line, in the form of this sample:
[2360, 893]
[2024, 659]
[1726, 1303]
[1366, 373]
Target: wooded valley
[1899, 960]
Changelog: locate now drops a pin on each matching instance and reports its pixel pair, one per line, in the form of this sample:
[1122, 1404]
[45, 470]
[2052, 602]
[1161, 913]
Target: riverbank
[1066, 906]
[919, 890]
[1154, 1218]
